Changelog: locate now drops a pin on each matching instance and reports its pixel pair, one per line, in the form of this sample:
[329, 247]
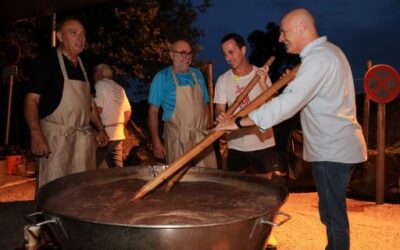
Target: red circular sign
[382, 83]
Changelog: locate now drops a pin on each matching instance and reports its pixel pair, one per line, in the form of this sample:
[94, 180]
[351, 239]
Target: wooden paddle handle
[214, 135]
[247, 90]
[176, 178]
[230, 111]
[261, 99]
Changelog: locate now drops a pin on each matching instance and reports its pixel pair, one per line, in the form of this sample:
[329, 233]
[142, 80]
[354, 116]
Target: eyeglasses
[183, 53]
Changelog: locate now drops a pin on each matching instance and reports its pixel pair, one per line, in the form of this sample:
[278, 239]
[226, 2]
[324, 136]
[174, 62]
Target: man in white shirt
[250, 150]
[323, 90]
[115, 110]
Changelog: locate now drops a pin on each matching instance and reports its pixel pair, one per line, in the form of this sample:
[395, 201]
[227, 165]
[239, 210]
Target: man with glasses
[181, 92]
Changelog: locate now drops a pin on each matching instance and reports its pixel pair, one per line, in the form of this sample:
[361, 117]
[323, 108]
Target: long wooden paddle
[214, 135]
[229, 112]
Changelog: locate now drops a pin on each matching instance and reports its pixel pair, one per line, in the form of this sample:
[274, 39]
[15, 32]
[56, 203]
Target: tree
[133, 36]
[263, 45]
[266, 44]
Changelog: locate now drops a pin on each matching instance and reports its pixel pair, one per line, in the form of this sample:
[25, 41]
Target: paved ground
[372, 226]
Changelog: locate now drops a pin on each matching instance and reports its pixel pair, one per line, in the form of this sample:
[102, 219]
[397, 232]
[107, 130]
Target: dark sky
[364, 29]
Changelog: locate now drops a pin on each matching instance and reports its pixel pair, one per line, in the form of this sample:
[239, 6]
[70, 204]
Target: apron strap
[63, 69]
[114, 124]
[62, 64]
[176, 81]
[64, 130]
[83, 69]
[174, 77]
[194, 78]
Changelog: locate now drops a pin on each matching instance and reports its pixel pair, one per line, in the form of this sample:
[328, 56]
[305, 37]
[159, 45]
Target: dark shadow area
[12, 221]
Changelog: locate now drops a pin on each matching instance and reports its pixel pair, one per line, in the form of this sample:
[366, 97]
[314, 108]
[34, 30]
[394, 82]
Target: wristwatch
[237, 122]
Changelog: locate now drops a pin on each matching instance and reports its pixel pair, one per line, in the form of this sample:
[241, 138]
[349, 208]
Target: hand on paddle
[225, 122]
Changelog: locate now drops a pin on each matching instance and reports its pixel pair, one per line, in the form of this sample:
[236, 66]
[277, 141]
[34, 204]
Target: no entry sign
[382, 83]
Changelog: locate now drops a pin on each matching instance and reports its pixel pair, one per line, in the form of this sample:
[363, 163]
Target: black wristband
[237, 122]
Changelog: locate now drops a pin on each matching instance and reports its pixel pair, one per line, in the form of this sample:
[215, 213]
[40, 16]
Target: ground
[372, 226]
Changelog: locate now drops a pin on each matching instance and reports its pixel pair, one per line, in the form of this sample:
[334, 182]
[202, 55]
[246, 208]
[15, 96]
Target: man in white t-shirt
[250, 150]
[115, 110]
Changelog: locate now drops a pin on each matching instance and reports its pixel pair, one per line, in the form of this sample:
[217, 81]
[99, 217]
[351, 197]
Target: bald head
[297, 30]
[300, 17]
[103, 71]
[180, 44]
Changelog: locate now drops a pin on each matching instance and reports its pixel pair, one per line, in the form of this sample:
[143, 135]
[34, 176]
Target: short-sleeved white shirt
[227, 88]
[112, 98]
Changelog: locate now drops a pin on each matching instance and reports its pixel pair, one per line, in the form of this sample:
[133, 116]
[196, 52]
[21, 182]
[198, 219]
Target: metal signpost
[9, 73]
[382, 85]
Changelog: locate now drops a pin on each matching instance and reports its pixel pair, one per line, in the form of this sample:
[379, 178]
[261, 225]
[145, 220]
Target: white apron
[188, 125]
[67, 130]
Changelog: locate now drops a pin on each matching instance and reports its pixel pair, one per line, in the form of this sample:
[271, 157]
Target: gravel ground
[372, 226]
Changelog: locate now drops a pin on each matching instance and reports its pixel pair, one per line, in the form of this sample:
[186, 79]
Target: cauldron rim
[130, 170]
[147, 226]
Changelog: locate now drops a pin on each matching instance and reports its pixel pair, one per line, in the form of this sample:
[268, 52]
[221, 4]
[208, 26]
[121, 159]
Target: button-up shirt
[323, 90]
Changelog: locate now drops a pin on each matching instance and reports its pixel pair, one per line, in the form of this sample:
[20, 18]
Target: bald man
[115, 110]
[323, 90]
[181, 92]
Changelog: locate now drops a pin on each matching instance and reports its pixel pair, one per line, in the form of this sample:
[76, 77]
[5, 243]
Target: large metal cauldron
[77, 233]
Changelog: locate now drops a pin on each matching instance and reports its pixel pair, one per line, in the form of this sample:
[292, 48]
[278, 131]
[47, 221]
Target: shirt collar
[312, 45]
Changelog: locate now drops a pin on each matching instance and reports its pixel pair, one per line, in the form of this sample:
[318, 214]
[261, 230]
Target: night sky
[364, 29]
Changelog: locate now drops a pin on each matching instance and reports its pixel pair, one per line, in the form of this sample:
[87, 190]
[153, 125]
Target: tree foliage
[264, 44]
[131, 35]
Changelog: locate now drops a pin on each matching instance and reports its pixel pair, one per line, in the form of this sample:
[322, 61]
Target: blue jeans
[331, 180]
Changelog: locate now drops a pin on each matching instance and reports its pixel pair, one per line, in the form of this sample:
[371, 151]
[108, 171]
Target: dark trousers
[112, 154]
[331, 180]
[252, 162]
